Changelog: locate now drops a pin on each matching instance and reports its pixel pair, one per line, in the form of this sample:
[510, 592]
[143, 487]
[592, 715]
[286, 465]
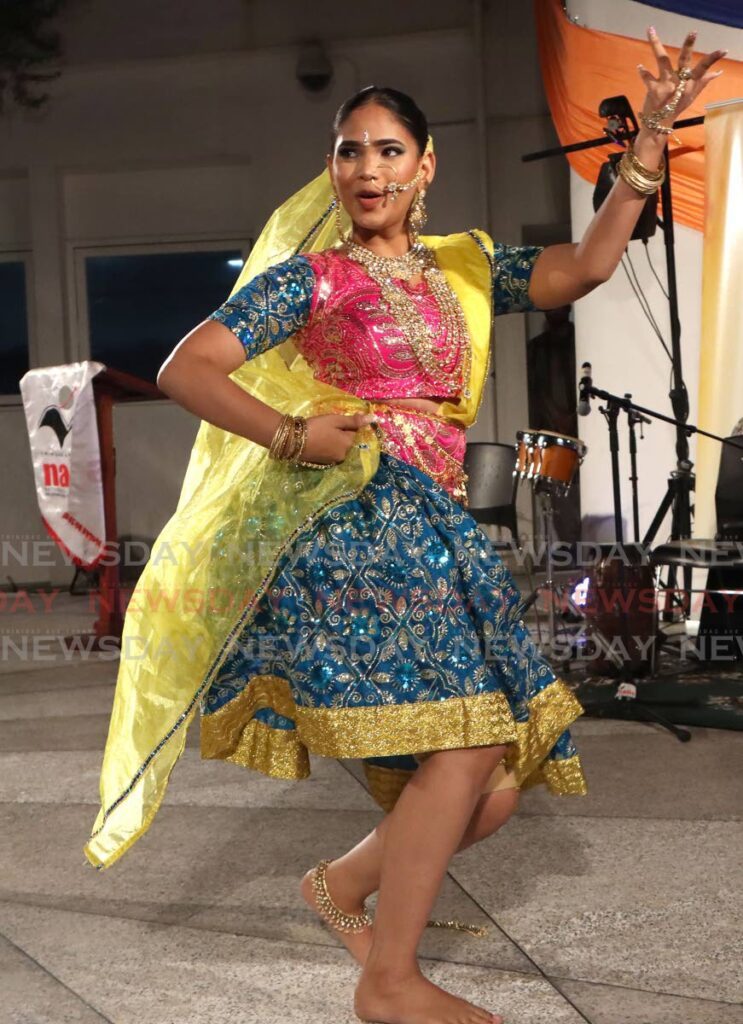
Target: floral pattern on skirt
[391, 627]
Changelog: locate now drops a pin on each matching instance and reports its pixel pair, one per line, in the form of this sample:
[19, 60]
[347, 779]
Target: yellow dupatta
[237, 513]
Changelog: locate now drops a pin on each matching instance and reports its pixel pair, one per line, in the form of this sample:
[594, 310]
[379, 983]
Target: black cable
[651, 315]
[645, 298]
[647, 253]
[641, 299]
[649, 312]
[637, 296]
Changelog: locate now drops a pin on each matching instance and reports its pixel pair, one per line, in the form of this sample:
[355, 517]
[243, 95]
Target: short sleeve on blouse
[512, 269]
[270, 308]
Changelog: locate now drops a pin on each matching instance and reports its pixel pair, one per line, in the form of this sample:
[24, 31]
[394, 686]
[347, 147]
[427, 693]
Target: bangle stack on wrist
[638, 176]
[289, 440]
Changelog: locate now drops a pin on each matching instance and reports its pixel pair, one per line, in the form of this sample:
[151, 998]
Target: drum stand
[533, 464]
[578, 631]
[546, 515]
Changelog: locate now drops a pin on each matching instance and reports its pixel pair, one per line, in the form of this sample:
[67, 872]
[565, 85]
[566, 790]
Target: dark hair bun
[405, 109]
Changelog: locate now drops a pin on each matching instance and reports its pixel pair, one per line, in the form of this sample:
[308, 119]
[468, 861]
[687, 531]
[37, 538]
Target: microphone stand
[635, 412]
[628, 405]
[611, 414]
[633, 418]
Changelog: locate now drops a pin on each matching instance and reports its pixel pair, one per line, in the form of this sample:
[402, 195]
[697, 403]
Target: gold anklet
[357, 922]
[331, 911]
[477, 930]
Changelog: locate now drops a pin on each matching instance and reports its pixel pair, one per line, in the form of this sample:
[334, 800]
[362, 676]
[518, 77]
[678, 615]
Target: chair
[491, 486]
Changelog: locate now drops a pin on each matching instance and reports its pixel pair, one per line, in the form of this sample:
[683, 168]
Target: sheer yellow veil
[237, 513]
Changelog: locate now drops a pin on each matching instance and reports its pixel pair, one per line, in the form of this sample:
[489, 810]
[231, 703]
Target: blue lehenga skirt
[390, 628]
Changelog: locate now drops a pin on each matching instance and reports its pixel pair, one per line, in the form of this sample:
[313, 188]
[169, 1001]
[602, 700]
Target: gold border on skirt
[233, 734]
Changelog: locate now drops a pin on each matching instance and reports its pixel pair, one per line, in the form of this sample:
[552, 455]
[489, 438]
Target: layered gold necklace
[419, 259]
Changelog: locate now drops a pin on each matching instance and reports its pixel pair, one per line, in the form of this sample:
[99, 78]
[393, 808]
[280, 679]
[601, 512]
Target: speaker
[729, 493]
[648, 219]
[720, 636]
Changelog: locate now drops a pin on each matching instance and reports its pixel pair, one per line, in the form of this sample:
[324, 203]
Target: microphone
[584, 399]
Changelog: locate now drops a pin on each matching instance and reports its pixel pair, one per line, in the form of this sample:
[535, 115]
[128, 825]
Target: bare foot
[414, 1000]
[358, 944]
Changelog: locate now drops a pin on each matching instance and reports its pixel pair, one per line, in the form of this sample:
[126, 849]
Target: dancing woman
[326, 590]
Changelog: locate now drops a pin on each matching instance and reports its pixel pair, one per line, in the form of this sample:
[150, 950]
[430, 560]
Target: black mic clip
[584, 395]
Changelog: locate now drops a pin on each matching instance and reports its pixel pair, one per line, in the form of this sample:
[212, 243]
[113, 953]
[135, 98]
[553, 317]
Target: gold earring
[418, 215]
[338, 220]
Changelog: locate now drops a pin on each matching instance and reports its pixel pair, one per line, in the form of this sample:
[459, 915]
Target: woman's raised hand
[661, 89]
[330, 437]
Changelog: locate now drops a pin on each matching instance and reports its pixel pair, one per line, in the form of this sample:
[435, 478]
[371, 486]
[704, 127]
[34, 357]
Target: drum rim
[563, 441]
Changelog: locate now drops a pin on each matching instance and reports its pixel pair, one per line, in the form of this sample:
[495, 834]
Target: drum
[548, 459]
[527, 454]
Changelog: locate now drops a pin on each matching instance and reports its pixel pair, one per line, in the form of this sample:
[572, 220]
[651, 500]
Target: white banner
[60, 415]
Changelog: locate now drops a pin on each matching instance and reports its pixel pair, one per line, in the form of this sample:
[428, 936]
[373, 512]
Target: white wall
[189, 128]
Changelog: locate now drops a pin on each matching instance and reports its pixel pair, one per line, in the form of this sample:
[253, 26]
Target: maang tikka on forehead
[365, 138]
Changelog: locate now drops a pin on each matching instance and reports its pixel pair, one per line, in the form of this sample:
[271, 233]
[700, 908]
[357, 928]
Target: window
[140, 304]
[14, 360]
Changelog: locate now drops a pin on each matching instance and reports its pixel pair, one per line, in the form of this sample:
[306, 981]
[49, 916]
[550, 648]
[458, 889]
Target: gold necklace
[419, 259]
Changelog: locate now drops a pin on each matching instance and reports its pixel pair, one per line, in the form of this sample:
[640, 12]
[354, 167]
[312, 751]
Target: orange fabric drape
[581, 66]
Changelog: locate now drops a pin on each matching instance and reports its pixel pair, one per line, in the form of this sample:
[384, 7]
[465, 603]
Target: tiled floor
[622, 907]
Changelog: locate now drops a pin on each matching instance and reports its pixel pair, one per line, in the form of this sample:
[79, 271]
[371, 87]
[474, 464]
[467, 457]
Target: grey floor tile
[68, 732]
[31, 995]
[629, 897]
[605, 1004]
[206, 865]
[45, 642]
[650, 774]
[61, 777]
[585, 726]
[21, 657]
[183, 974]
[51, 679]
[654, 905]
[96, 699]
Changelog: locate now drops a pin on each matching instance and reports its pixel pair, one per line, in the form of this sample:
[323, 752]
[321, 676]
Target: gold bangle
[288, 445]
[635, 181]
[656, 175]
[289, 440]
[273, 445]
[302, 439]
[303, 462]
[292, 442]
[638, 176]
[276, 448]
[297, 439]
